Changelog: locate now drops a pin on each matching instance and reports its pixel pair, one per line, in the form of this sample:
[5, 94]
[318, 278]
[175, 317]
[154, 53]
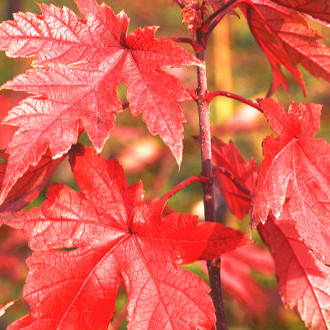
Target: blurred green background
[235, 63]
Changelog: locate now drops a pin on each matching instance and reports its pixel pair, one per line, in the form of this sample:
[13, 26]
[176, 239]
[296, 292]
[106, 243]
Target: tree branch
[208, 188]
[210, 96]
[208, 26]
[182, 185]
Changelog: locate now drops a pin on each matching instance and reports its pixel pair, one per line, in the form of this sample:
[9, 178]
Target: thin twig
[193, 94]
[182, 185]
[210, 96]
[209, 20]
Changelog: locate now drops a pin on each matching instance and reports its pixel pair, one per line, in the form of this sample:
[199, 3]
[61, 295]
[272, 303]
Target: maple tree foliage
[296, 166]
[319, 9]
[303, 279]
[113, 234]
[30, 185]
[193, 14]
[77, 69]
[287, 40]
[229, 158]
[7, 131]
[85, 243]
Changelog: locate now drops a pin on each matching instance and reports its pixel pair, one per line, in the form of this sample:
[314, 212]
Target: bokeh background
[235, 63]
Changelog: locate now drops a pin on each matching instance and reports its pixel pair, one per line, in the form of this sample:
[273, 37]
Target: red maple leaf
[78, 67]
[28, 187]
[236, 266]
[304, 281]
[229, 158]
[296, 166]
[319, 9]
[113, 234]
[287, 40]
[7, 131]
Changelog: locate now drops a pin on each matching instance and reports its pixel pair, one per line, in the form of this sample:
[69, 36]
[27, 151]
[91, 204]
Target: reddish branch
[210, 96]
[182, 185]
[208, 24]
[204, 179]
[193, 94]
[208, 189]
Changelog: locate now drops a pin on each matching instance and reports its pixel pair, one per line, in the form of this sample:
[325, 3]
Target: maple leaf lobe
[303, 280]
[111, 234]
[287, 40]
[80, 64]
[296, 168]
[229, 158]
